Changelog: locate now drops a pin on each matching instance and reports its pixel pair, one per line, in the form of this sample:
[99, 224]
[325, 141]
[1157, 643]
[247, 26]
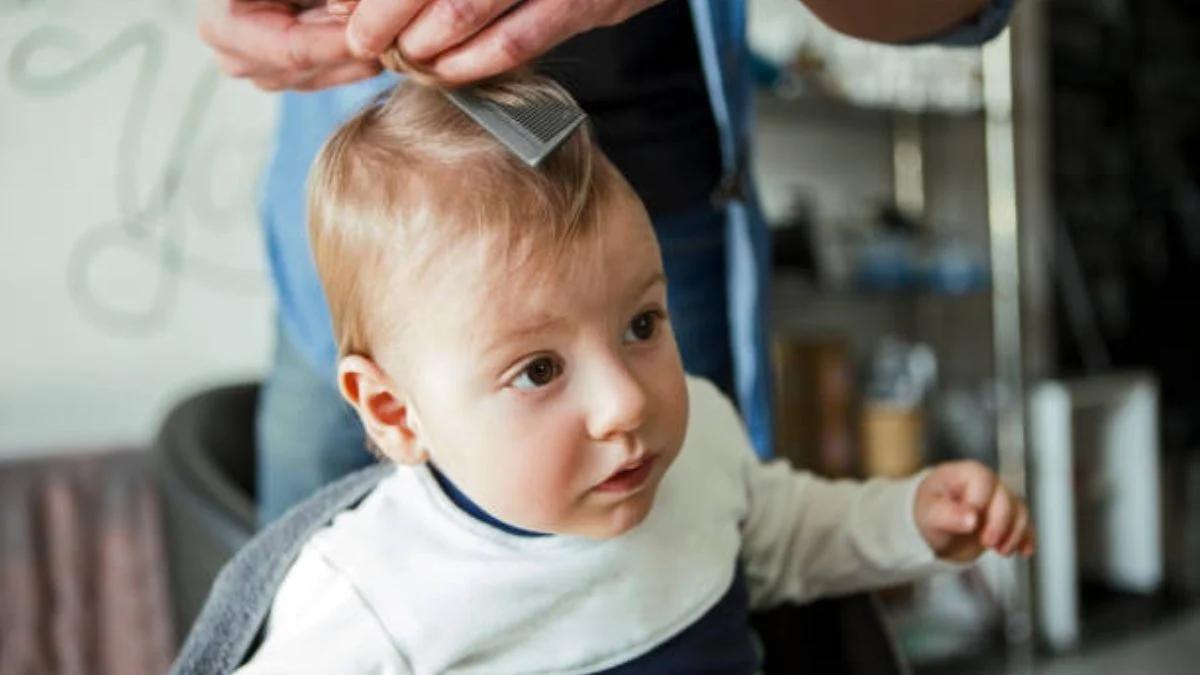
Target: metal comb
[531, 131]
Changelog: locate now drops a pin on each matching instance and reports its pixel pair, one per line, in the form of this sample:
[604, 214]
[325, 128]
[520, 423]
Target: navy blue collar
[472, 509]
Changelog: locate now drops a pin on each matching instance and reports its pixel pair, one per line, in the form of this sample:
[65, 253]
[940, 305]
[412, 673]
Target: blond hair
[410, 173]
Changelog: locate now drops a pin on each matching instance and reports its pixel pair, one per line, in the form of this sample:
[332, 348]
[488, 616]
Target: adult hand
[896, 21]
[962, 509]
[278, 45]
[459, 41]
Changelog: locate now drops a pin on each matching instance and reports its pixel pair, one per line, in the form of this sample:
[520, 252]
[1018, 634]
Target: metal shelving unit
[1014, 163]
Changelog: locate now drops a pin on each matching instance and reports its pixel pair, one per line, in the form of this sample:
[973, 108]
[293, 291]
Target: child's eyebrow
[545, 322]
[656, 278]
[542, 324]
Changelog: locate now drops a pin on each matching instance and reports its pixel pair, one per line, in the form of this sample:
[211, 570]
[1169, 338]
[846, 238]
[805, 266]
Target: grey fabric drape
[83, 577]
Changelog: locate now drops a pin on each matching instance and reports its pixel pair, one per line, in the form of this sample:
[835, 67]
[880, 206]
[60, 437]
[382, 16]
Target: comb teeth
[530, 131]
[543, 120]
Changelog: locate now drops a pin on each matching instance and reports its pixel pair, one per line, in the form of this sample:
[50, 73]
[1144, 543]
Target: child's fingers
[947, 515]
[969, 481]
[1016, 533]
[999, 518]
[1029, 544]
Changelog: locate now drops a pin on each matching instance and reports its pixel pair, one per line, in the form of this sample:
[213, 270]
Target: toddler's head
[508, 324]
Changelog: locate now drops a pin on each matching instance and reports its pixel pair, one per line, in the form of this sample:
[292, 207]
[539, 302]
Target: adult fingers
[340, 10]
[332, 77]
[443, 24]
[272, 82]
[275, 39]
[317, 79]
[334, 12]
[511, 41]
[212, 16]
[374, 25]
[234, 65]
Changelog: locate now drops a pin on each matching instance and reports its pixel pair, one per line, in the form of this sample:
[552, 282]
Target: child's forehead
[494, 278]
[507, 245]
[525, 274]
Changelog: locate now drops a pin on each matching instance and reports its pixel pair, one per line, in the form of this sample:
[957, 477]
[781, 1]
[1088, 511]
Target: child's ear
[386, 415]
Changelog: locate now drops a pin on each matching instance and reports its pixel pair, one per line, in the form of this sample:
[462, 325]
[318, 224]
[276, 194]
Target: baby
[565, 498]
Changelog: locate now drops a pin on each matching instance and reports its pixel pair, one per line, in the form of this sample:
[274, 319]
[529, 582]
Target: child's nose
[617, 401]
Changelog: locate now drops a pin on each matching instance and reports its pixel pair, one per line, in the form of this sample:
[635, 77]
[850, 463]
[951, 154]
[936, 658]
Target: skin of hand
[894, 20]
[962, 509]
[459, 41]
[279, 45]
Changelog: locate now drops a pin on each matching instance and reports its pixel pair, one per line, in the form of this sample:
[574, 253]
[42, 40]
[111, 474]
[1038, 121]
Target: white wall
[131, 265]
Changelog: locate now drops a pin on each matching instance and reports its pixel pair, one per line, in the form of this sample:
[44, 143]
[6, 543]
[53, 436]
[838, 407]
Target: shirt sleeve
[986, 25]
[320, 624]
[805, 537]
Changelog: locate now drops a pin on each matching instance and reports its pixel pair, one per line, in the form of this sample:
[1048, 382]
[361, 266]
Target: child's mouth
[628, 478]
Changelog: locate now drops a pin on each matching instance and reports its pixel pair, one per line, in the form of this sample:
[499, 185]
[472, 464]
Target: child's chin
[622, 518]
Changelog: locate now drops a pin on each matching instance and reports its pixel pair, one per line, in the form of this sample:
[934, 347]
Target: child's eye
[643, 326]
[538, 373]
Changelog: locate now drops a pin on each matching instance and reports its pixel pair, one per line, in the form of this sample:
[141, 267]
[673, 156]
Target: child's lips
[629, 477]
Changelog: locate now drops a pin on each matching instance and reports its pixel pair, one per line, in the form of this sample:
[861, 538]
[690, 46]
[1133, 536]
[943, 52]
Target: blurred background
[983, 253]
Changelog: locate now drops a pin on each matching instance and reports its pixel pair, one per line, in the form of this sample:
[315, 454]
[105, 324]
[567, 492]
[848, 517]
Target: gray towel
[230, 625]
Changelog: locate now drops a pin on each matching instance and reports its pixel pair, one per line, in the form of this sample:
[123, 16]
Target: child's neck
[472, 509]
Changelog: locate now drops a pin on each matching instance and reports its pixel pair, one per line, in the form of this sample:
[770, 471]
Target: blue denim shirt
[306, 120]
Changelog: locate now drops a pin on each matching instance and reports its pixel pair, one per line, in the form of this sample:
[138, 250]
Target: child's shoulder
[704, 396]
[716, 452]
[397, 503]
[714, 425]
[318, 605]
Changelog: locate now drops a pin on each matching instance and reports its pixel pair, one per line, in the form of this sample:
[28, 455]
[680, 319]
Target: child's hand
[962, 509]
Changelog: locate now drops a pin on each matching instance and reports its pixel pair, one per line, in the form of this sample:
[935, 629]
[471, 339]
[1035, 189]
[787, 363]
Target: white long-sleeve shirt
[406, 582]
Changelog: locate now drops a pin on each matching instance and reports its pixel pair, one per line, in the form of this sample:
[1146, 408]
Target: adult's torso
[642, 84]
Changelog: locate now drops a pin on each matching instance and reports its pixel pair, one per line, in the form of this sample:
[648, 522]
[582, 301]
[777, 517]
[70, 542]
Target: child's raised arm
[806, 537]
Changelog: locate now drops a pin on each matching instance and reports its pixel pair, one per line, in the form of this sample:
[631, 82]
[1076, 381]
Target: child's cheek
[561, 460]
[544, 467]
[671, 398]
